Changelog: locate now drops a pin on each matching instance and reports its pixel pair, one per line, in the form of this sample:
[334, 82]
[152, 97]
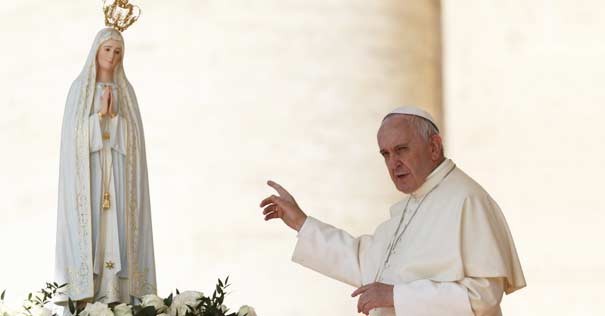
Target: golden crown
[120, 14]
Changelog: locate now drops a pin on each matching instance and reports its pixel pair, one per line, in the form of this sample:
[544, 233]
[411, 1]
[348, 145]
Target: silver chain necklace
[397, 236]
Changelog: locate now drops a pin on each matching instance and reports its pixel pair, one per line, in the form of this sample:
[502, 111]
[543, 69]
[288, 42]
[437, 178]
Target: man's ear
[436, 147]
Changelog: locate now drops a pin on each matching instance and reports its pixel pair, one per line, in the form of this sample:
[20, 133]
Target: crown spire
[119, 14]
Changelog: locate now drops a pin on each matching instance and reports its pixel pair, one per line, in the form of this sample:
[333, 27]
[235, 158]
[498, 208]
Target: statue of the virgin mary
[104, 246]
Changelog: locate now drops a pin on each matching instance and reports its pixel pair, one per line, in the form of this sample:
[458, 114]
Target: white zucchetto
[412, 110]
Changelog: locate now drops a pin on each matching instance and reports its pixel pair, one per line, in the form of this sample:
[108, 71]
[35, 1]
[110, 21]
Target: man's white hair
[423, 127]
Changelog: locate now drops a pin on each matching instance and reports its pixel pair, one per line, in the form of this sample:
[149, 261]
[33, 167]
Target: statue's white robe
[456, 257]
[78, 260]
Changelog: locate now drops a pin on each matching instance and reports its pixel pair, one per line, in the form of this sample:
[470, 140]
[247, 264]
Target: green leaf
[146, 311]
[200, 304]
[2, 295]
[168, 300]
[72, 307]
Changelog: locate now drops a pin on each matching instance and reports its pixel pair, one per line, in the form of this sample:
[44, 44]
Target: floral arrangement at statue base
[188, 303]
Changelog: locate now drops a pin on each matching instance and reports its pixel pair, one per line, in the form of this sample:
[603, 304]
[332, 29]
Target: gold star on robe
[109, 265]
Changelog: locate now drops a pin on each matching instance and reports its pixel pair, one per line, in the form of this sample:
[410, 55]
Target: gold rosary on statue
[106, 178]
[107, 168]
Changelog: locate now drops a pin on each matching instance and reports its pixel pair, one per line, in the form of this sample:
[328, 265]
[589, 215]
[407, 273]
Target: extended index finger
[282, 192]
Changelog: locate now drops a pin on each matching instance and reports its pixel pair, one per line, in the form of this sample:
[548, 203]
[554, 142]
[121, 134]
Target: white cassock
[105, 253]
[446, 249]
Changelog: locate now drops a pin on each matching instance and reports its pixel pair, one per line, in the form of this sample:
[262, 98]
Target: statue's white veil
[73, 255]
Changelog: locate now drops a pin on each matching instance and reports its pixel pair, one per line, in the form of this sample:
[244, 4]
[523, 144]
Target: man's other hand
[372, 296]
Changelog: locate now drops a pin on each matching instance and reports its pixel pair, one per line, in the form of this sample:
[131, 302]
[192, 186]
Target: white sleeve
[117, 134]
[468, 297]
[116, 130]
[485, 295]
[95, 133]
[330, 251]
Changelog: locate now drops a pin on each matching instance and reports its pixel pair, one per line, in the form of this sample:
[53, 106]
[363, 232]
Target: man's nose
[393, 163]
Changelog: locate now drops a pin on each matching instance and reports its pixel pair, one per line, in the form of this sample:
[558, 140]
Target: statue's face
[409, 158]
[109, 55]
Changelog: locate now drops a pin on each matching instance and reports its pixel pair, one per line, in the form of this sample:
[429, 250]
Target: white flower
[122, 310]
[155, 301]
[5, 310]
[180, 304]
[97, 309]
[40, 311]
[246, 311]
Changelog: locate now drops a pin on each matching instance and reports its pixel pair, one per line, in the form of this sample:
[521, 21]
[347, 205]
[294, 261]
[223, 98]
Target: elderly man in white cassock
[445, 250]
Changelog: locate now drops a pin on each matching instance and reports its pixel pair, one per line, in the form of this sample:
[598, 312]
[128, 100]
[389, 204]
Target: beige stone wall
[524, 111]
[232, 93]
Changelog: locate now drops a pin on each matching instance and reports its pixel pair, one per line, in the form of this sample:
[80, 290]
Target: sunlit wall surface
[524, 109]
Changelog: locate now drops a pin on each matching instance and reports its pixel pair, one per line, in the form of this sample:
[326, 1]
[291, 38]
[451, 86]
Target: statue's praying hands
[107, 103]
